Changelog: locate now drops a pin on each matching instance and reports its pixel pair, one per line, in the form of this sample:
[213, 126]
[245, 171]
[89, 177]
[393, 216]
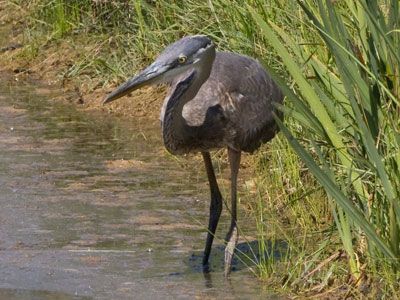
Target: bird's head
[176, 59]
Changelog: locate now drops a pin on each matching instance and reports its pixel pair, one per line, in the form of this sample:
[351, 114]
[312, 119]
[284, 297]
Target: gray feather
[244, 93]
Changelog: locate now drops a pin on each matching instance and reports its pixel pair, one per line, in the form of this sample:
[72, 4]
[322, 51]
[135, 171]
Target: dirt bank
[53, 61]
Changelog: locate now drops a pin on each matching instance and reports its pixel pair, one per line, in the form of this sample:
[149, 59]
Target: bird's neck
[176, 132]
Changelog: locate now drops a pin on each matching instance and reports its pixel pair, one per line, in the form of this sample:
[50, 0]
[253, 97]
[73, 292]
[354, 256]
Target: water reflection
[37, 295]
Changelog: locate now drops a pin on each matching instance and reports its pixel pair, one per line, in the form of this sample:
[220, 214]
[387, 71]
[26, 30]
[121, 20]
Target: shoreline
[54, 59]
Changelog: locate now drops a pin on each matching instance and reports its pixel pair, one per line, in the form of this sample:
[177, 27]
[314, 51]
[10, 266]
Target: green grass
[350, 110]
[328, 184]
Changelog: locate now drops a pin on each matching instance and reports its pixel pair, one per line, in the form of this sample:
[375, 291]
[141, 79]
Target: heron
[215, 100]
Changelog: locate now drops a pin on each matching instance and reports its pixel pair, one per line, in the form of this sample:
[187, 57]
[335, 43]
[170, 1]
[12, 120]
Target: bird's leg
[232, 236]
[215, 207]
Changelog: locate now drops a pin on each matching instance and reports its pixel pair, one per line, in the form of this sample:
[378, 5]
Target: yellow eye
[182, 59]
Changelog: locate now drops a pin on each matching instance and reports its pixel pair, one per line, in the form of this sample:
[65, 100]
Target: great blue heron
[216, 99]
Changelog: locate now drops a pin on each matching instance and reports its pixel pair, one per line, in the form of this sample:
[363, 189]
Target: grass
[328, 185]
[352, 141]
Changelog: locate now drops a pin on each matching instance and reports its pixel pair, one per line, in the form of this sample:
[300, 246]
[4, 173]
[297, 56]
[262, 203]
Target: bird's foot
[231, 239]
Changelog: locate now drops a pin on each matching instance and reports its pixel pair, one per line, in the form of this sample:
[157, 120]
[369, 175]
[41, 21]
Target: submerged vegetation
[328, 186]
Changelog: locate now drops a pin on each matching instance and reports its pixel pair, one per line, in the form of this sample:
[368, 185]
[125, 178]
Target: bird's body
[224, 113]
[215, 100]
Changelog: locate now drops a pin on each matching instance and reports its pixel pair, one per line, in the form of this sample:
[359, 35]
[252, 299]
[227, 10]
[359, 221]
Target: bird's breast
[213, 132]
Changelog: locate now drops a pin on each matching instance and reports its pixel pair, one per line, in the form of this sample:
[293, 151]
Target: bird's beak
[151, 75]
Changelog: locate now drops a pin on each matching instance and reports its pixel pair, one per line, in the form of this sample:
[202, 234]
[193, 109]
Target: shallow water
[92, 207]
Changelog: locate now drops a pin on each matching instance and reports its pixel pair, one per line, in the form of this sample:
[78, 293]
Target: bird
[215, 100]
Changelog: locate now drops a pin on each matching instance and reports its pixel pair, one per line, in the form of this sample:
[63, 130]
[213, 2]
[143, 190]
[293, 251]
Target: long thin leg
[232, 236]
[215, 207]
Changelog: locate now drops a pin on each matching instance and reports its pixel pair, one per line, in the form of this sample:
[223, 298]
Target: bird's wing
[237, 99]
[249, 107]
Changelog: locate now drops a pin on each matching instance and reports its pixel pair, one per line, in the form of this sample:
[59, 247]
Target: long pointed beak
[151, 75]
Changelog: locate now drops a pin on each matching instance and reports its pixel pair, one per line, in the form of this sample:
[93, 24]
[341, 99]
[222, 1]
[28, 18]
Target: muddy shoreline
[54, 60]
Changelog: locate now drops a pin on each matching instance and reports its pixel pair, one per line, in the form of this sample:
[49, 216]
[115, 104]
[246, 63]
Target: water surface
[92, 207]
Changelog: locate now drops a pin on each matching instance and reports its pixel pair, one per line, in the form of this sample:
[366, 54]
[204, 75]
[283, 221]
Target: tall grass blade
[333, 190]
